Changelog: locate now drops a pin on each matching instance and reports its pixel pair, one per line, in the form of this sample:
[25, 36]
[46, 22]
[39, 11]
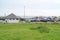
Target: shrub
[41, 29]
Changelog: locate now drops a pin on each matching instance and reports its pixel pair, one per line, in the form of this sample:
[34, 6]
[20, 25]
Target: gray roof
[11, 16]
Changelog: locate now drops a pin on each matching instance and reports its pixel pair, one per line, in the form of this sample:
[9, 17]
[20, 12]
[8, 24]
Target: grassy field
[22, 31]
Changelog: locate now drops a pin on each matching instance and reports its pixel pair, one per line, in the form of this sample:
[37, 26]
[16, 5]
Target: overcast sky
[32, 7]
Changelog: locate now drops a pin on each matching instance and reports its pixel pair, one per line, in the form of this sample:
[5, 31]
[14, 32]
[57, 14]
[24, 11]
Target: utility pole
[5, 18]
[24, 12]
[24, 15]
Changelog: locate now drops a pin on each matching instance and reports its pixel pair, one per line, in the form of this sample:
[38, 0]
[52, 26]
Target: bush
[41, 29]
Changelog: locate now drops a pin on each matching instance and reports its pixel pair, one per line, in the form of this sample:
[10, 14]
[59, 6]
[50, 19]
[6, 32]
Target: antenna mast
[24, 12]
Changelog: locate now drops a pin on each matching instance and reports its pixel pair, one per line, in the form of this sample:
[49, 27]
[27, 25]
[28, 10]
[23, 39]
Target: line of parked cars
[40, 19]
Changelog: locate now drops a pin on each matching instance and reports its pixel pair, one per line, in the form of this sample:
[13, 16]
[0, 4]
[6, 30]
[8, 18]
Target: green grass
[22, 31]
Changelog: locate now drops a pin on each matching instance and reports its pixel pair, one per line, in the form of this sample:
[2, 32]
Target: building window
[16, 18]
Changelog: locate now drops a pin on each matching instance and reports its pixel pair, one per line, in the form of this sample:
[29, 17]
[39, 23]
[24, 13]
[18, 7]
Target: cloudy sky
[32, 7]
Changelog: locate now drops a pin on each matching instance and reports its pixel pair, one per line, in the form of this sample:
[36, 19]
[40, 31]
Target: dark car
[43, 20]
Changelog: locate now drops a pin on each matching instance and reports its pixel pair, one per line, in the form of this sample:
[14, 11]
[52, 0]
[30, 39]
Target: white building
[11, 19]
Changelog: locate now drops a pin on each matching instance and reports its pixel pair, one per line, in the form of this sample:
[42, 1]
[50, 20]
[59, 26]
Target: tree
[55, 19]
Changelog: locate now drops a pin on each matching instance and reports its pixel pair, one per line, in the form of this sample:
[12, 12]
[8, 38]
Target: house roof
[11, 16]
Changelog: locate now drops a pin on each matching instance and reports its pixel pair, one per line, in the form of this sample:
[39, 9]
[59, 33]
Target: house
[12, 18]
